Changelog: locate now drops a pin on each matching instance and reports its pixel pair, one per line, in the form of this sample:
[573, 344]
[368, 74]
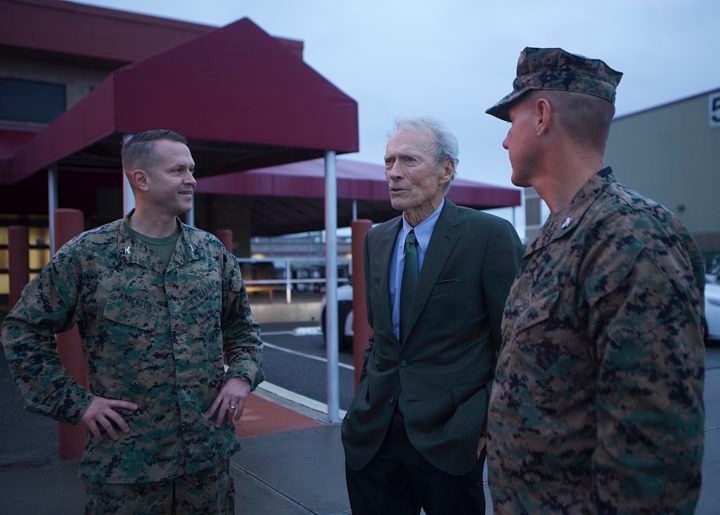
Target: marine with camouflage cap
[597, 403]
[161, 308]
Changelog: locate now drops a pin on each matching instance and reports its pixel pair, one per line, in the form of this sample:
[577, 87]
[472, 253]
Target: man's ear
[447, 171]
[542, 111]
[140, 179]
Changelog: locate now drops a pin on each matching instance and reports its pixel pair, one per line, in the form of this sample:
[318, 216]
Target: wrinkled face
[415, 179]
[520, 142]
[170, 178]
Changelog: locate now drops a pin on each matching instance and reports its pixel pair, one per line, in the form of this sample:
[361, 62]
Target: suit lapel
[444, 237]
[385, 247]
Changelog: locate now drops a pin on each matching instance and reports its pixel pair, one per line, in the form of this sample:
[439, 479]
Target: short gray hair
[139, 150]
[446, 144]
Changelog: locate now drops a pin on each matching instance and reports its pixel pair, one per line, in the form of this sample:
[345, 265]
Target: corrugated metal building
[671, 154]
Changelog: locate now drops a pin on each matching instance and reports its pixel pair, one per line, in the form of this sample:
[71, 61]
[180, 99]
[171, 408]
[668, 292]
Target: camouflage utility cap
[558, 70]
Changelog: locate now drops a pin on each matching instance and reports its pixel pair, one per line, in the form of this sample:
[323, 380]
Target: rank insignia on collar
[126, 250]
[566, 223]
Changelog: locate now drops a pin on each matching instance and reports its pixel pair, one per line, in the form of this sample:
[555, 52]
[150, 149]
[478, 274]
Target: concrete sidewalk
[289, 473]
[291, 462]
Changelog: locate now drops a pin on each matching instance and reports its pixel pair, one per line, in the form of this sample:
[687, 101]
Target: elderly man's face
[415, 179]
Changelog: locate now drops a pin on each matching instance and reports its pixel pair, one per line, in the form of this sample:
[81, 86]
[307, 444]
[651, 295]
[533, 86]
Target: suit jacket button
[403, 363]
[391, 400]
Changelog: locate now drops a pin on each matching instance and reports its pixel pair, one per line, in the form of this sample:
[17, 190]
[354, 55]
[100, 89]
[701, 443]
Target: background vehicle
[712, 310]
[345, 316]
[345, 313]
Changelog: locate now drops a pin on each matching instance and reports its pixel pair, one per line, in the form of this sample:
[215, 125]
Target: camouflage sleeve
[242, 344]
[46, 307]
[650, 417]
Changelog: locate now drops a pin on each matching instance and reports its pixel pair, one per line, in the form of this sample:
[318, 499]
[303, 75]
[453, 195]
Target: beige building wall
[78, 80]
[536, 212]
[672, 154]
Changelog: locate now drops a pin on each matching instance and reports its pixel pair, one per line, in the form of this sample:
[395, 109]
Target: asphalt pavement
[295, 359]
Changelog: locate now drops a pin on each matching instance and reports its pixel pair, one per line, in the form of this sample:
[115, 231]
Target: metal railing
[289, 274]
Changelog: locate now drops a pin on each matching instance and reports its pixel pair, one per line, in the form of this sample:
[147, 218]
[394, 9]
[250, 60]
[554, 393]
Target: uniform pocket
[537, 310]
[130, 310]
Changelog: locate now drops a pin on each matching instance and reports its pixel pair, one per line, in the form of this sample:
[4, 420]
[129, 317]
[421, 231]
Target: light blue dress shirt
[423, 232]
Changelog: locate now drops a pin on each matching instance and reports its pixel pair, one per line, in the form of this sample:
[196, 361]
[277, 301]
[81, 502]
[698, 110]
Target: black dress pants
[399, 481]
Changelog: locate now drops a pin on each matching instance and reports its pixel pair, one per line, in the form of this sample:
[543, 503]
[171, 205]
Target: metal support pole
[191, 213]
[128, 197]
[331, 310]
[288, 282]
[52, 203]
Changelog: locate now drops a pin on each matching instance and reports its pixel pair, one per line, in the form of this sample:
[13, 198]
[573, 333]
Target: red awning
[243, 99]
[81, 33]
[289, 198]
[12, 140]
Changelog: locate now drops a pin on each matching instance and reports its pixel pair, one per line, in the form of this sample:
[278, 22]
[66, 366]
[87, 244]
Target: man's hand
[101, 416]
[230, 401]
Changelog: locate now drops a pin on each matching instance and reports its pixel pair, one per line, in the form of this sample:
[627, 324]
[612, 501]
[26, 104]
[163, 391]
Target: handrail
[288, 282]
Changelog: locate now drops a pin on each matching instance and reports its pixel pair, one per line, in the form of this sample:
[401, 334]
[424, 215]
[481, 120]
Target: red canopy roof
[289, 198]
[242, 98]
[83, 33]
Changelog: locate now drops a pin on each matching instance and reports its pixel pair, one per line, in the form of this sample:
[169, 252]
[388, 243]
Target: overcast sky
[452, 59]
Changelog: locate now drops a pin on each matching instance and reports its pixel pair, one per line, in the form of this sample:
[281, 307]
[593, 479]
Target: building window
[31, 101]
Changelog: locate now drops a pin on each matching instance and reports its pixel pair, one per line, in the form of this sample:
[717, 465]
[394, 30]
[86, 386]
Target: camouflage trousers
[209, 491]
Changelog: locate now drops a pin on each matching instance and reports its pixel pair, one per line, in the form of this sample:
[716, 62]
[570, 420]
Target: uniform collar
[564, 221]
[130, 250]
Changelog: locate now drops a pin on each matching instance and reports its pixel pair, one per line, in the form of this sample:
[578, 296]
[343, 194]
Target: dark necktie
[409, 281]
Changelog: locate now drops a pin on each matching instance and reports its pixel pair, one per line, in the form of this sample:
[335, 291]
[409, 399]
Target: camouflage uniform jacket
[152, 336]
[597, 405]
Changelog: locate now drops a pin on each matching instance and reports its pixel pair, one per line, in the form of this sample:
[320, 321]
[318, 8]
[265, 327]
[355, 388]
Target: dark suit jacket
[439, 376]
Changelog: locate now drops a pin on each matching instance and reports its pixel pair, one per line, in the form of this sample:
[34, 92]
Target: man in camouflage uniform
[161, 308]
[597, 405]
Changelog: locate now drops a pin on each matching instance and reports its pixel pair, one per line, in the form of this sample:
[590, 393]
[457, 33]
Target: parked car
[345, 313]
[345, 316]
[712, 311]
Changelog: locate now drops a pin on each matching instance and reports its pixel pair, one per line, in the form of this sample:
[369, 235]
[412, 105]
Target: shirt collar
[423, 230]
[128, 250]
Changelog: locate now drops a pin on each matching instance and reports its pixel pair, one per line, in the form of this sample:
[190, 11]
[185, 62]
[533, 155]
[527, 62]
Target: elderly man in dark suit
[437, 278]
